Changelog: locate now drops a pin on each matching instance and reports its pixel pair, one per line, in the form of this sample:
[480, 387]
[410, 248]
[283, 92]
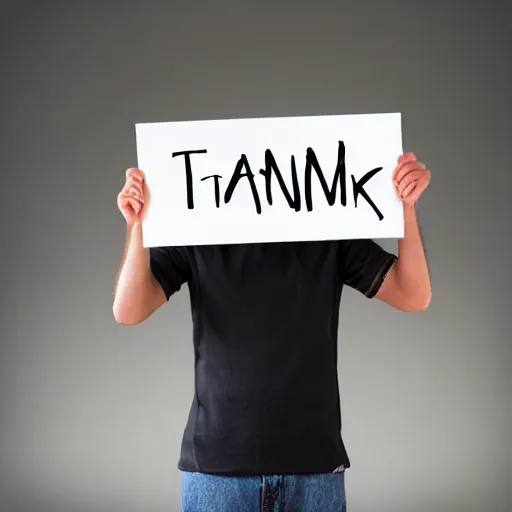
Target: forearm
[136, 293]
[412, 271]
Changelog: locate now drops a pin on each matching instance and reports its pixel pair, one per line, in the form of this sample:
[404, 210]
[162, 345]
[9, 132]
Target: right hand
[131, 199]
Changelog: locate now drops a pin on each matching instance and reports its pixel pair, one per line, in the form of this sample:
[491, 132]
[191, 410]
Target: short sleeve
[364, 265]
[171, 268]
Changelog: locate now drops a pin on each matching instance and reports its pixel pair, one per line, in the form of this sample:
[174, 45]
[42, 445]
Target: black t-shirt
[265, 326]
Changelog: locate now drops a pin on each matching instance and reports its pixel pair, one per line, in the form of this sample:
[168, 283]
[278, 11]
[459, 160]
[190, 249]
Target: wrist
[134, 236]
[410, 211]
[136, 227]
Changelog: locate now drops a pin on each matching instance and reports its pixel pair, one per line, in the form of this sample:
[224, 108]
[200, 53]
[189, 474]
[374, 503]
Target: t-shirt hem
[274, 469]
[381, 275]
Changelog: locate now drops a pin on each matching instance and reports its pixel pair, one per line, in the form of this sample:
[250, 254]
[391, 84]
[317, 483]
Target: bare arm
[137, 293]
[407, 286]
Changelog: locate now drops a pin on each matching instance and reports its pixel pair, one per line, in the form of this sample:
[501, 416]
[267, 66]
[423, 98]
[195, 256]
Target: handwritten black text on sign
[272, 168]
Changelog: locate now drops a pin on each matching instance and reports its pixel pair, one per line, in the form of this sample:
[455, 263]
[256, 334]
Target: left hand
[410, 178]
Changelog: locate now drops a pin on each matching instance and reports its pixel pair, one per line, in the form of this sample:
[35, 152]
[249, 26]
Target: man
[264, 429]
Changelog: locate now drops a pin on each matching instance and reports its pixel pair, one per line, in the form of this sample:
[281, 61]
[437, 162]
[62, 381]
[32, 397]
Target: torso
[265, 335]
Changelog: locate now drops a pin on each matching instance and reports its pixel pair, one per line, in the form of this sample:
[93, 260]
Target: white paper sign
[270, 179]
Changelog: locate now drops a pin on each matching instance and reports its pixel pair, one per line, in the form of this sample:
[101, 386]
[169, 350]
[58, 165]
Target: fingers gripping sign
[411, 178]
[133, 196]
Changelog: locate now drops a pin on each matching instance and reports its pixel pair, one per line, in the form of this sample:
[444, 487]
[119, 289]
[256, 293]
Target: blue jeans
[274, 493]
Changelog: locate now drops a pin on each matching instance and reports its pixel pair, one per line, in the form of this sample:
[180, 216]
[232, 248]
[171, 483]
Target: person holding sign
[264, 429]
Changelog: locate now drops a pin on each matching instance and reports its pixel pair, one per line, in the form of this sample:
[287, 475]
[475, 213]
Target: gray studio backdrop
[92, 412]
